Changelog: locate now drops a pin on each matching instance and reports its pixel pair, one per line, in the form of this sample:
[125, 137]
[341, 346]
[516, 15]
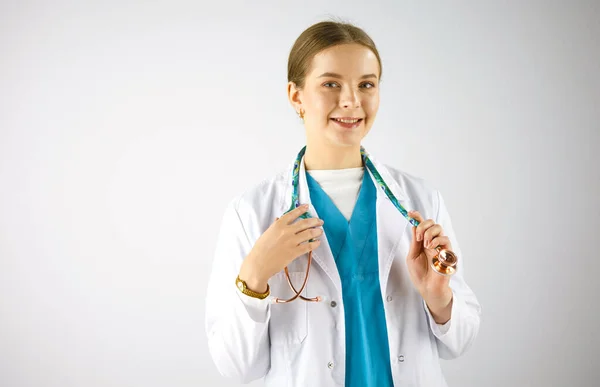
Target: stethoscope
[443, 263]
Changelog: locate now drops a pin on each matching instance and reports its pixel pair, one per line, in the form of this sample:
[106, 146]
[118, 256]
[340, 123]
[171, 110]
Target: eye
[327, 84]
[367, 85]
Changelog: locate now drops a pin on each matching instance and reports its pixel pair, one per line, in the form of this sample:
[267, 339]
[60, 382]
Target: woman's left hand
[425, 238]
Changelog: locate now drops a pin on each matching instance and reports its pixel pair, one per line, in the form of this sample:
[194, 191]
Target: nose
[349, 98]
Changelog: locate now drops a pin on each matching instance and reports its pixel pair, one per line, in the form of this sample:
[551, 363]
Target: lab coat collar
[304, 193]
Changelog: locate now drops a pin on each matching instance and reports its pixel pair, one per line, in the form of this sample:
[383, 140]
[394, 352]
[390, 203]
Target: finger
[307, 235]
[423, 227]
[305, 224]
[415, 246]
[294, 214]
[440, 241]
[432, 232]
[310, 246]
[416, 215]
[419, 218]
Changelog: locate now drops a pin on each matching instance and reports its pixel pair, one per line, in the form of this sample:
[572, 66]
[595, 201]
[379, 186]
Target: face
[340, 97]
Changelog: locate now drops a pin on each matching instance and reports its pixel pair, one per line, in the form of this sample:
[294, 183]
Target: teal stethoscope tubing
[445, 266]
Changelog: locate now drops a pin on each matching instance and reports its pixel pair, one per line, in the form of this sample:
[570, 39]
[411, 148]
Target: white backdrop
[126, 127]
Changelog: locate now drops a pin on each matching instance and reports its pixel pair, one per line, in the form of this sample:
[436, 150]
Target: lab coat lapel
[322, 255]
[392, 238]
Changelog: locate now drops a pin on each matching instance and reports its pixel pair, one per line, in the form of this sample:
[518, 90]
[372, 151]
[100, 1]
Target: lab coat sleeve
[457, 335]
[236, 325]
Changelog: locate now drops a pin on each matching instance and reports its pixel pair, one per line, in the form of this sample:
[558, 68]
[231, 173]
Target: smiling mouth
[348, 122]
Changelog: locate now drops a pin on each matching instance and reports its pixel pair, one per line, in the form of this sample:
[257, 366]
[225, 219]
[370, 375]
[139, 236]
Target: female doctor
[372, 312]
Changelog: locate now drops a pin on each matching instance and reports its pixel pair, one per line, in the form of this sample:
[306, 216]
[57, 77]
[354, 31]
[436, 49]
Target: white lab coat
[302, 343]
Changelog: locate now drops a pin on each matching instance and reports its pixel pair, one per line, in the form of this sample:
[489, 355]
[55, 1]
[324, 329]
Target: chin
[346, 141]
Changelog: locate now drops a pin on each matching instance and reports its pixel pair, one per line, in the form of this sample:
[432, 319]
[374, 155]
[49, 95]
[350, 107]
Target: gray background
[126, 127]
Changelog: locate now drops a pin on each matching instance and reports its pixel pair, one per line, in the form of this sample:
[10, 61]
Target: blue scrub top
[354, 247]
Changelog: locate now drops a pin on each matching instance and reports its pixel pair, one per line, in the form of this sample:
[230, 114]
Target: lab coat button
[401, 358]
[333, 304]
[389, 298]
[330, 365]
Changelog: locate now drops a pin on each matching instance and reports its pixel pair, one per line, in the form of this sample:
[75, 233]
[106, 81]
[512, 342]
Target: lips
[347, 122]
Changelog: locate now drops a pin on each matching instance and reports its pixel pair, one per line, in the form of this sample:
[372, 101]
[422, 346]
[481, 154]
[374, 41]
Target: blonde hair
[318, 37]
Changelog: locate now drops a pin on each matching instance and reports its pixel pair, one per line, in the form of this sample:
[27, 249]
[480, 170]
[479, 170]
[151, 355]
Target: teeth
[347, 121]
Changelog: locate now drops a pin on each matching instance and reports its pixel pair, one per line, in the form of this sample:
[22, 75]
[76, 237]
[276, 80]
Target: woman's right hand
[278, 246]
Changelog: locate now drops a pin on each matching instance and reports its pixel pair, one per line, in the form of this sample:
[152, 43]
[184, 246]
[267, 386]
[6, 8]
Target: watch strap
[243, 287]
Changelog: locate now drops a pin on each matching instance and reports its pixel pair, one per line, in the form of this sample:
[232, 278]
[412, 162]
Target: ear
[294, 96]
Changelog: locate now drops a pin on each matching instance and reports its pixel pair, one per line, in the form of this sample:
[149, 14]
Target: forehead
[348, 60]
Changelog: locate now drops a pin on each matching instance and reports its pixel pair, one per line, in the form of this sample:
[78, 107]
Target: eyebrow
[335, 75]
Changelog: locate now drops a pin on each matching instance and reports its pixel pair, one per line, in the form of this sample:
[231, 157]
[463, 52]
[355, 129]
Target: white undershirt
[341, 185]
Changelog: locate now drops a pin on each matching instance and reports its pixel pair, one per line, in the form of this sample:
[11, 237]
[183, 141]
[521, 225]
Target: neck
[321, 157]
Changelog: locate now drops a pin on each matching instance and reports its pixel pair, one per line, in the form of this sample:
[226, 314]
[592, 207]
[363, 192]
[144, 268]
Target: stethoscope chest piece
[444, 262]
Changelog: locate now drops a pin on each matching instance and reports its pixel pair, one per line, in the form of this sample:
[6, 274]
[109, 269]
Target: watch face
[241, 285]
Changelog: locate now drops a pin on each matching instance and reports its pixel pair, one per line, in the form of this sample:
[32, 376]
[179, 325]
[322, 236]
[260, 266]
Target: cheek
[323, 102]
[371, 105]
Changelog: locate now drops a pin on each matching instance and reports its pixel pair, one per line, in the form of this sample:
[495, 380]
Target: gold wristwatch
[241, 285]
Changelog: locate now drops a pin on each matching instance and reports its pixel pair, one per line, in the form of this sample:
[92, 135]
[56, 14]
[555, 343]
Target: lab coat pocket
[289, 321]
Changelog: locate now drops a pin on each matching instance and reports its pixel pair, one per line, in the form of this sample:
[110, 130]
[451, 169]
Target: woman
[380, 315]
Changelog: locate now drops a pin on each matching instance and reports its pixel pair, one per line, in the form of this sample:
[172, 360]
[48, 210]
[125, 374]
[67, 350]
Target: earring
[301, 114]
